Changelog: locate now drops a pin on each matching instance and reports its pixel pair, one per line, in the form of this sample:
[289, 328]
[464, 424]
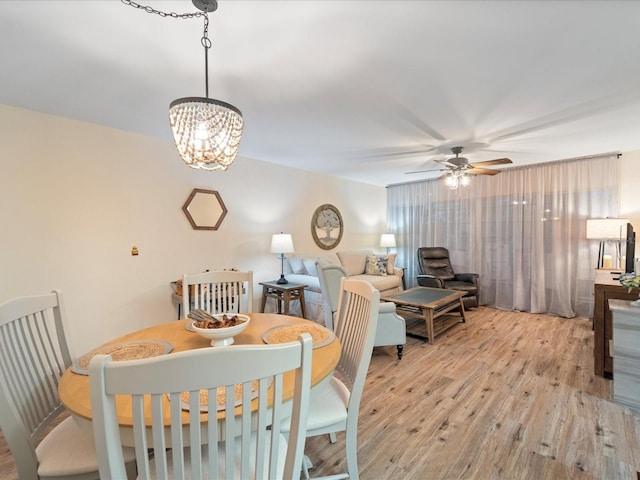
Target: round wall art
[326, 226]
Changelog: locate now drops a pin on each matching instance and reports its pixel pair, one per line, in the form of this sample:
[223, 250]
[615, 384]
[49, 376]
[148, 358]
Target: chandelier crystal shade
[206, 132]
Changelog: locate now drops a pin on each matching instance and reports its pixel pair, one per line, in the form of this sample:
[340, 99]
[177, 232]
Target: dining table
[74, 388]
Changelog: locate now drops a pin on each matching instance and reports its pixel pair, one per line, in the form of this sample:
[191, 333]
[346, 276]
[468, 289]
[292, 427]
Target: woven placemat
[131, 350]
[320, 335]
[204, 396]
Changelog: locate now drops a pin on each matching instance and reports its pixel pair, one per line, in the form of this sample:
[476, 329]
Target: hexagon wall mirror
[204, 209]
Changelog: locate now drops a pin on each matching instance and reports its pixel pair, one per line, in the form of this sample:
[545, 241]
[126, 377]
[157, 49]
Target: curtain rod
[522, 167]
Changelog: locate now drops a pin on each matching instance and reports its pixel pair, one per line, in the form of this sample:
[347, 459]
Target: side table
[284, 294]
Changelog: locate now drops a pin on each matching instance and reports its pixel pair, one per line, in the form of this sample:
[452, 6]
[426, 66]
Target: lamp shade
[387, 240]
[282, 243]
[605, 228]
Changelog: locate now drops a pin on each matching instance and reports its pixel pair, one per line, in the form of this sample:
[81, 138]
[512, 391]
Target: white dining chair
[335, 407]
[224, 291]
[250, 446]
[33, 356]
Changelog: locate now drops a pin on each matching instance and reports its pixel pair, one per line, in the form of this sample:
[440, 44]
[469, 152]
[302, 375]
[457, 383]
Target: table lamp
[388, 240]
[606, 230]
[282, 243]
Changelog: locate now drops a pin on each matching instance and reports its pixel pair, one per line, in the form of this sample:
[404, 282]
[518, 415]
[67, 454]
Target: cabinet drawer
[626, 335]
[626, 388]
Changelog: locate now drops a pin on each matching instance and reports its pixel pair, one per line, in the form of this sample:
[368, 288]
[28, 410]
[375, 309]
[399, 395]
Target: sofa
[378, 269]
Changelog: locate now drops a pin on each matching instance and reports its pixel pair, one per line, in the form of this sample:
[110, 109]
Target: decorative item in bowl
[220, 328]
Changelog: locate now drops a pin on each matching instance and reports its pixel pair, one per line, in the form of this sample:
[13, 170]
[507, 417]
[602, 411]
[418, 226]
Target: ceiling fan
[461, 165]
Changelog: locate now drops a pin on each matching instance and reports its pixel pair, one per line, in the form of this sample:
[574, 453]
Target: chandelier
[456, 178]
[206, 132]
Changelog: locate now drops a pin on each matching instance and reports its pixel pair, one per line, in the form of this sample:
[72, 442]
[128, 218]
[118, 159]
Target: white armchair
[391, 328]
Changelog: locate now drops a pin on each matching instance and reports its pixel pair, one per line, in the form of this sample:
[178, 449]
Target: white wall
[75, 198]
[630, 188]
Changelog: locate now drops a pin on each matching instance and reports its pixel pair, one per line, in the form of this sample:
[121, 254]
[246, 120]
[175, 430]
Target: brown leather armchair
[436, 272]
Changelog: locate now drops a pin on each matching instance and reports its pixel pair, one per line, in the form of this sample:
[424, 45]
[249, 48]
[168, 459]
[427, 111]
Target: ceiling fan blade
[482, 171]
[488, 163]
[431, 170]
[446, 163]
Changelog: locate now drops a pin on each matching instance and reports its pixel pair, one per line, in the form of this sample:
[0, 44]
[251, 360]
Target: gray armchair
[436, 272]
[391, 328]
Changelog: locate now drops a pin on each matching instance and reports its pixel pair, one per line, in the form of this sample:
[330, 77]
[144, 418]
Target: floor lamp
[606, 230]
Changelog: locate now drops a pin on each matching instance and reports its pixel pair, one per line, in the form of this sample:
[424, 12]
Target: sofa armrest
[398, 272]
[467, 277]
[429, 281]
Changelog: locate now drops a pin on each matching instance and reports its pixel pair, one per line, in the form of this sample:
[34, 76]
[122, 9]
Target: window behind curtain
[522, 231]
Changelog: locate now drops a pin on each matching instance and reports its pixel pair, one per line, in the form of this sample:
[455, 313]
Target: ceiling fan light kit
[456, 179]
[459, 169]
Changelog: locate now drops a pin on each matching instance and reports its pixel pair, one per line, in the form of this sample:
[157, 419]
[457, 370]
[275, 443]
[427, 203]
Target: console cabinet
[605, 289]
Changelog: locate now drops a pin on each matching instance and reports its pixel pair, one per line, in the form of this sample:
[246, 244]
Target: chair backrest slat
[225, 291]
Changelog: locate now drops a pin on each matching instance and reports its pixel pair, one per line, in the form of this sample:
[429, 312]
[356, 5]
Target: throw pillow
[310, 266]
[355, 263]
[376, 265]
[296, 265]
[391, 263]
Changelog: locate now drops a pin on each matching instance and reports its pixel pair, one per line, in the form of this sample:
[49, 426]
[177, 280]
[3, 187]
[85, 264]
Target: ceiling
[365, 90]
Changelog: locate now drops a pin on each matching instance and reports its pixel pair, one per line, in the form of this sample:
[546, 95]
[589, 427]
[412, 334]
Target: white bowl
[224, 335]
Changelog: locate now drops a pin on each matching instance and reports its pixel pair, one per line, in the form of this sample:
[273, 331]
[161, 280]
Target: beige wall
[75, 197]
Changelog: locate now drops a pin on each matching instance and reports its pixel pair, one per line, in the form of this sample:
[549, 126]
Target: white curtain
[522, 231]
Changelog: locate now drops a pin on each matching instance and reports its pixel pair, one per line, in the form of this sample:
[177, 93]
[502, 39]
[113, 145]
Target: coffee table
[433, 305]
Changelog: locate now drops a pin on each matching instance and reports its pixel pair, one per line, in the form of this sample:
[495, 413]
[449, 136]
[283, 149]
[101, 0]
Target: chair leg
[306, 466]
[351, 442]
[332, 437]
[400, 348]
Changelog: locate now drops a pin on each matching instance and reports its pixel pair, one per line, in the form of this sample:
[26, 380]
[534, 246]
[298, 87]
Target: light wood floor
[504, 396]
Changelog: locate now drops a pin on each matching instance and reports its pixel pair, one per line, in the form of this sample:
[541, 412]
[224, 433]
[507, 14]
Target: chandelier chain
[205, 41]
[150, 9]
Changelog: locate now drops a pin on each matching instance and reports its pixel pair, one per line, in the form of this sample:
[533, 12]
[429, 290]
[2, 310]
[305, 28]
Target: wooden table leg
[263, 302]
[286, 298]
[427, 313]
[302, 307]
[462, 310]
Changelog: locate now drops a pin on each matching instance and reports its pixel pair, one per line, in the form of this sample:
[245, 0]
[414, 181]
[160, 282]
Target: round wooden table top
[74, 388]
